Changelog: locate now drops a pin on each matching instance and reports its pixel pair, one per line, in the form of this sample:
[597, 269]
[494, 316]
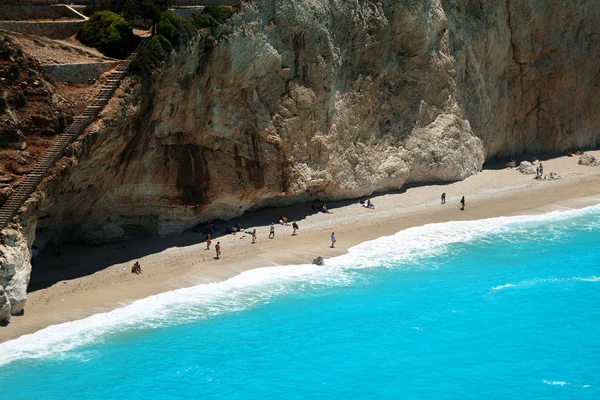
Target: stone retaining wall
[24, 12]
[114, 2]
[50, 29]
[77, 73]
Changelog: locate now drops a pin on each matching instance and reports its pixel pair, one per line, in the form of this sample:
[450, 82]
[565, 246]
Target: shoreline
[180, 261]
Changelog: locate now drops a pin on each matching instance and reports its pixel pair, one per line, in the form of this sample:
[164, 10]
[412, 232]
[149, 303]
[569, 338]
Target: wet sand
[85, 280]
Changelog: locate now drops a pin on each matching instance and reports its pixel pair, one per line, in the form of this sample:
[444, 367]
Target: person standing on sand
[253, 235]
[272, 231]
[218, 249]
[444, 198]
[208, 241]
[295, 226]
[462, 203]
[333, 240]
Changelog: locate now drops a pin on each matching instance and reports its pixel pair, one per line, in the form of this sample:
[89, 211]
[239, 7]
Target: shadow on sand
[79, 260]
[76, 260]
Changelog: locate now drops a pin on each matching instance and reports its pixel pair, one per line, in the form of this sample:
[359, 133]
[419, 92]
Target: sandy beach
[84, 280]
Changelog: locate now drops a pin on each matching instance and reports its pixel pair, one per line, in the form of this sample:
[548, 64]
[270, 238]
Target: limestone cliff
[295, 100]
[300, 99]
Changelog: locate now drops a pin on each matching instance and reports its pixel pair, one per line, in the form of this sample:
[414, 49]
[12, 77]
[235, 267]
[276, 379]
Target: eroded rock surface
[293, 101]
[4, 306]
[296, 100]
[527, 168]
[15, 266]
[588, 160]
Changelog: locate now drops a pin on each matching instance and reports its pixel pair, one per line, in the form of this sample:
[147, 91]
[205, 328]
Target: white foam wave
[546, 281]
[563, 383]
[556, 383]
[260, 285]
[500, 287]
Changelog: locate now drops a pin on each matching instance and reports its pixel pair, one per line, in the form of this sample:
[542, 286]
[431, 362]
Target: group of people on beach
[539, 171]
[322, 208]
[252, 232]
[462, 201]
[210, 228]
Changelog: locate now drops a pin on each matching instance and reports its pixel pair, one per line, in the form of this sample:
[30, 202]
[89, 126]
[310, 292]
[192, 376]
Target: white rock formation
[4, 306]
[525, 167]
[588, 160]
[15, 267]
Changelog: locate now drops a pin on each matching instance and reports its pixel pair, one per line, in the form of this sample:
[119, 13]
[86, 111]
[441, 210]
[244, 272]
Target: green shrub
[165, 44]
[20, 100]
[3, 103]
[109, 33]
[172, 32]
[150, 56]
[145, 11]
[176, 30]
[212, 16]
[12, 74]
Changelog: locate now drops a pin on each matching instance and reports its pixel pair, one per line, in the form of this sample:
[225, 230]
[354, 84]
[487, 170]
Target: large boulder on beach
[588, 160]
[319, 261]
[4, 306]
[526, 168]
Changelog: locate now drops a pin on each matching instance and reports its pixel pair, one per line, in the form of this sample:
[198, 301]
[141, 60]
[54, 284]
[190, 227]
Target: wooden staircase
[11, 207]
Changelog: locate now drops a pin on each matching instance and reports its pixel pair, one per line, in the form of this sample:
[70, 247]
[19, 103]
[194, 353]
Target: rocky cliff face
[294, 100]
[335, 99]
[527, 72]
[302, 99]
[31, 114]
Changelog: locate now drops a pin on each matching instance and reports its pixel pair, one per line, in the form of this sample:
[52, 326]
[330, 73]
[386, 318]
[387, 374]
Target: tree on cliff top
[109, 33]
[175, 29]
[172, 32]
[142, 13]
[213, 16]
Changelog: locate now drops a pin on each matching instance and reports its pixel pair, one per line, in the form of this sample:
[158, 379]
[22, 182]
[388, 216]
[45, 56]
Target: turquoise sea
[504, 308]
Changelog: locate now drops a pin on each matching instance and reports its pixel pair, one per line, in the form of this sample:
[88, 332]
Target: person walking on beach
[253, 235]
[295, 226]
[333, 240]
[462, 203]
[218, 249]
[272, 231]
[208, 241]
[444, 198]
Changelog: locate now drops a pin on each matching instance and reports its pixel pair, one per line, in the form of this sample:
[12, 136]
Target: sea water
[504, 308]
